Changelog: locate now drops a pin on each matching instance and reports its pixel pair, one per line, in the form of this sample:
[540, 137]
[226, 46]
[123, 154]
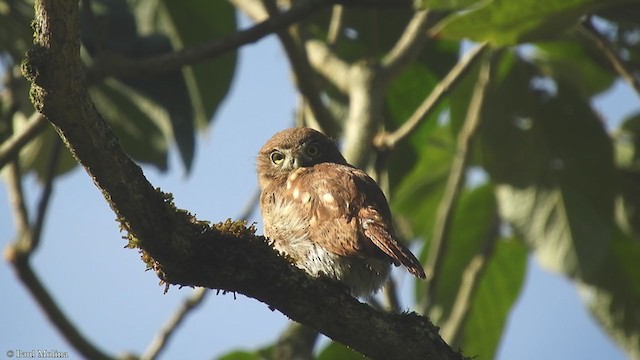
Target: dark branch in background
[455, 182]
[123, 67]
[408, 46]
[18, 253]
[589, 30]
[162, 338]
[11, 147]
[118, 66]
[390, 140]
[304, 76]
[47, 190]
[295, 343]
[188, 252]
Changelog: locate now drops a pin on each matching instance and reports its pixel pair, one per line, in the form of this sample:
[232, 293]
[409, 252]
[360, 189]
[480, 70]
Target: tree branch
[188, 252]
[616, 61]
[389, 140]
[455, 182]
[303, 74]
[162, 338]
[335, 25]
[11, 147]
[108, 65]
[408, 46]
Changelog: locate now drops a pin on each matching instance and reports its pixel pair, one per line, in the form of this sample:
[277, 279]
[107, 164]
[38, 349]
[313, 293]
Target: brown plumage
[331, 218]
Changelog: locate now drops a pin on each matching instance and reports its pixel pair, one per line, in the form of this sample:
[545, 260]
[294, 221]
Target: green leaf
[169, 91]
[16, 35]
[406, 93]
[491, 303]
[447, 4]
[629, 137]
[576, 62]
[241, 355]
[552, 161]
[335, 350]
[614, 296]
[474, 221]
[505, 22]
[192, 22]
[138, 133]
[417, 196]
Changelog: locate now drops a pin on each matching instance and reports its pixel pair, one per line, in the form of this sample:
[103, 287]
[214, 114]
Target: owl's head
[293, 148]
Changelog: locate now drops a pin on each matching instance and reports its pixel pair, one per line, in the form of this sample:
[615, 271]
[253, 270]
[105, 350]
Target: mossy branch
[182, 249]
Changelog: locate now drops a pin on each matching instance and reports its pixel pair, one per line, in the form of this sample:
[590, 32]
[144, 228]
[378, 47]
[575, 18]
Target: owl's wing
[349, 214]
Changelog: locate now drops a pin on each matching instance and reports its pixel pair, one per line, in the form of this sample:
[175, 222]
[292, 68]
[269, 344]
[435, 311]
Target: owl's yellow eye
[313, 150]
[276, 157]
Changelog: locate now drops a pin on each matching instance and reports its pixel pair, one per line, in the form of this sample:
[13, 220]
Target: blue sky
[105, 291]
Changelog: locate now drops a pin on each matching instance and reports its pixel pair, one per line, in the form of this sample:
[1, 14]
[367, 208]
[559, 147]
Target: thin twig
[455, 182]
[452, 328]
[408, 46]
[303, 74]
[295, 343]
[162, 338]
[11, 147]
[391, 295]
[335, 26]
[390, 140]
[49, 306]
[589, 30]
[43, 204]
[16, 198]
[250, 206]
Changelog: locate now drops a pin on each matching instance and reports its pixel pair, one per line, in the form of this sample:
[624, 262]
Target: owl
[329, 217]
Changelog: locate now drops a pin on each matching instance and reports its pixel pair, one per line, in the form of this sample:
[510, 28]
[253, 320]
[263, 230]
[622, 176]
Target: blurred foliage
[147, 114]
[549, 179]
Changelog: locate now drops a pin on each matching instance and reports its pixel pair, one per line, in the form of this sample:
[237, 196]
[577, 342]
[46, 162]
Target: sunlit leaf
[491, 303]
[504, 22]
[552, 161]
[447, 4]
[614, 296]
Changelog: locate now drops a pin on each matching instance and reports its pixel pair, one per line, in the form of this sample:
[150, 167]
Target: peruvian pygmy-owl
[329, 217]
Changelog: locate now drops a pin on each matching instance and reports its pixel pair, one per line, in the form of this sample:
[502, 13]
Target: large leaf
[140, 136]
[505, 22]
[490, 304]
[192, 22]
[552, 161]
[187, 96]
[474, 222]
[417, 196]
[576, 62]
[614, 296]
[404, 96]
[335, 350]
